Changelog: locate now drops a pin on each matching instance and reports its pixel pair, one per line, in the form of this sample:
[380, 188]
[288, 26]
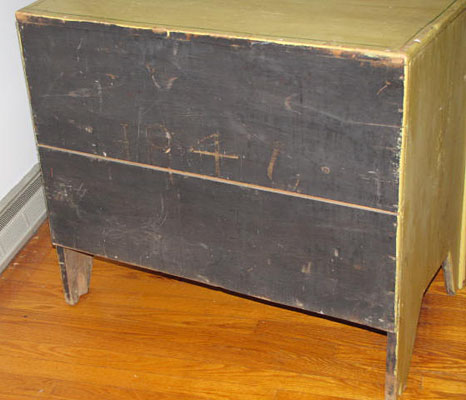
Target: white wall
[17, 145]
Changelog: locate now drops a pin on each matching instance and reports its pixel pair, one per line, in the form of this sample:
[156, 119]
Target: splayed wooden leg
[448, 276]
[75, 271]
[391, 386]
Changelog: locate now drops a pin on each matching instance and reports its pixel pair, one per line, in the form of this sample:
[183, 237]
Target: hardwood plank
[445, 385]
[241, 350]
[8, 396]
[291, 395]
[56, 389]
[208, 370]
[47, 369]
[338, 346]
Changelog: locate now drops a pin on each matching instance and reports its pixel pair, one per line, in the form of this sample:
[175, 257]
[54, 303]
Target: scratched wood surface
[321, 257]
[294, 118]
[139, 335]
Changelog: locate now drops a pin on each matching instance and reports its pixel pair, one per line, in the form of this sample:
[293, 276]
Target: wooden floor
[140, 335]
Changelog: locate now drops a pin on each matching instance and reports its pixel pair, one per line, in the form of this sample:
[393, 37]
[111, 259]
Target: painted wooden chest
[307, 153]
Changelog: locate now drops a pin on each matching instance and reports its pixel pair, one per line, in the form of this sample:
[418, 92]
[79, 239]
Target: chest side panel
[287, 117]
[316, 256]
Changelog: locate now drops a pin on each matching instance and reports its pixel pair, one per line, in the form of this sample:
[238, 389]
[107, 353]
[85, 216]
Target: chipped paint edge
[396, 57]
[420, 40]
[400, 219]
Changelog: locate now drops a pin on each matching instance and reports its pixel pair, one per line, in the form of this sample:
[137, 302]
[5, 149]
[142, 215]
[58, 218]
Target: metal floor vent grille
[21, 212]
[20, 202]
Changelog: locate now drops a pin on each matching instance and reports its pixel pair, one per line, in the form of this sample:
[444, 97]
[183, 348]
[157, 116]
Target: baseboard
[22, 211]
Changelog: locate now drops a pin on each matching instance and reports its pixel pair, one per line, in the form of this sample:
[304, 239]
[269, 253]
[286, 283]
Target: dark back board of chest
[266, 169]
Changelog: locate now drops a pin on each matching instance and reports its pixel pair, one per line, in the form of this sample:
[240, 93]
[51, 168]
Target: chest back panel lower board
[294, 251]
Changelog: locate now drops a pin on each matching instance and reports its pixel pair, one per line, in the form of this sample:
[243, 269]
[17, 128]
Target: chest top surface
[363, 24]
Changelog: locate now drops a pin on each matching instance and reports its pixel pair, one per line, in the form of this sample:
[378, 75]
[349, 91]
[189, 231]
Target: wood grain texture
[448, 273]
[432, 177]
[334, 260]
[75, 269]
[287, 117]
[139, 335]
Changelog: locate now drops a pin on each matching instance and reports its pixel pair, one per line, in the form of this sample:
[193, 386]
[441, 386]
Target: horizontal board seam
[222, 180]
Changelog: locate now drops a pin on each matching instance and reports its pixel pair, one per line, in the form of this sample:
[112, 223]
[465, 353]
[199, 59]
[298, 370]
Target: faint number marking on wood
[273, 159]
[216, 153]
[169, 82]
[287, 103]
[167, 148]
[387, 84]
[306, 268]
[125, 141]
[298, 181]
[167, 135]
[151, 70]
[78, 49]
